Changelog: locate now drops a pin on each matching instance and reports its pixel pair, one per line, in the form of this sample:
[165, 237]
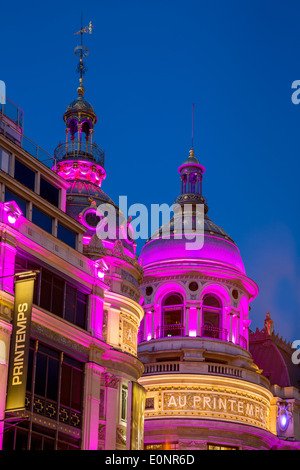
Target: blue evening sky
[149, 62]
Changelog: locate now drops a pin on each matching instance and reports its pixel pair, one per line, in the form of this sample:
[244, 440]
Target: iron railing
[11, 126]
[77, 149]
[170, 330]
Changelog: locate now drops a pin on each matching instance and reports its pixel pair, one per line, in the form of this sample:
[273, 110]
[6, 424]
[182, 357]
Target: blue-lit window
[66, 235]
[24, 175]
[11, 196]
[49, 192]
[42, 220]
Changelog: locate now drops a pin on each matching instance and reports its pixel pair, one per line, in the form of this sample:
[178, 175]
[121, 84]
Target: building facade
[111, 351]
[204, 388]
[82, 369]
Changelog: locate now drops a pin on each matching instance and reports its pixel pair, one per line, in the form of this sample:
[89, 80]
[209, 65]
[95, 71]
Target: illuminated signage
[18, 360]
[216, 405]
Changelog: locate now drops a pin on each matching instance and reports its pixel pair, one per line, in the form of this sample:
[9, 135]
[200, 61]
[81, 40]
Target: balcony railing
[11, 126]
[208, 331]
[79, 150]
[170, 330]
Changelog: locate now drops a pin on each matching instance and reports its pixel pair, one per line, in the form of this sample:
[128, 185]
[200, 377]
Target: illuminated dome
[173, 242]
[218, 248]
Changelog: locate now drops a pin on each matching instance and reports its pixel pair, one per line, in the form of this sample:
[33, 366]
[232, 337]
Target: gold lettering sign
[213, 405]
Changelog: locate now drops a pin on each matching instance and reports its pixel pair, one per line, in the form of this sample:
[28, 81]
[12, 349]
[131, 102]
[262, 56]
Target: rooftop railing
[79, 150]
[11, 126]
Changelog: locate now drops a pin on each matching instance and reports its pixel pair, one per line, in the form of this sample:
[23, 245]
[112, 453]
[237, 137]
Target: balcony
[170, 330]
[80, 151]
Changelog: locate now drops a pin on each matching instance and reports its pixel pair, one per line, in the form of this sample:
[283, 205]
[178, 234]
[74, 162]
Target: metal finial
[192, 126]
[81, 52]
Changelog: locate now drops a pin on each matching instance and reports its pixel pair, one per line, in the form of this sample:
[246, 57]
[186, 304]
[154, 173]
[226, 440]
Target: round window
[92, 218]
[193, 286]
[149, 290]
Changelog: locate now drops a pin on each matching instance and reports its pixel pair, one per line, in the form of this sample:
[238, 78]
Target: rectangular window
[124, 396]
[42, 220]
[4, 160]
[24, 175]
[55, 294]
[49, 192]
[11, 196]
[66, 235]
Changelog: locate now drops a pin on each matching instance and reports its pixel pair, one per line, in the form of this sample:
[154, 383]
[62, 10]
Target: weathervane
[81, 52]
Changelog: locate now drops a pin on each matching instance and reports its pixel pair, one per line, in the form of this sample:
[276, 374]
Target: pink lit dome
[216, 248]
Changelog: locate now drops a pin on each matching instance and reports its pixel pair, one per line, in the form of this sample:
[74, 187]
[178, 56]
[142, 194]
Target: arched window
[172, 315]
[212, 317]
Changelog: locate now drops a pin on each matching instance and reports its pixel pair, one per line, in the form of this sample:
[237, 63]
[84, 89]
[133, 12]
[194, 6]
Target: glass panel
[211, 301]
[70, 304]
[46, 284]
[76, 389]
[21, 439]
[4, 160]
[81, 309]
[52, 379]
[66, 235]
[40, 377]
[42, 220]
[65, 385]
[24, 175]
[58, 296]
[11, 196]
[173, 299]
[49, 192]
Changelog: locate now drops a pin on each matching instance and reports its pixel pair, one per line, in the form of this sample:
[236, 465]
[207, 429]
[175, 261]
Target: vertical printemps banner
[19, 350]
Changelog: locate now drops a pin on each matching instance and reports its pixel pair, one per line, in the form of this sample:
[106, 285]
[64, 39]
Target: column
[111, 410]
[199, 320]
[93, 373]
[186, 323]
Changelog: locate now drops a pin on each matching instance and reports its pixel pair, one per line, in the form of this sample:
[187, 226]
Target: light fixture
[12, 218]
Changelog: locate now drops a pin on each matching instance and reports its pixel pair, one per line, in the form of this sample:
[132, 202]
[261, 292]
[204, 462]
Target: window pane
[42, 220]
[46, 284]
[11, 196]
[49, 192]
[24, 175]
[76, 390]
[70, 303]
[40, 378]
[52, 379]
[21, 439]
[81, 309]
[66, 235]
[29, 373]
[65, 385]
[58, 296]
[4, 160]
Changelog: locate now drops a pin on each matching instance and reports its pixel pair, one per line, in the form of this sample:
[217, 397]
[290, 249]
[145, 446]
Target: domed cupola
[80, 161]
[216, 247]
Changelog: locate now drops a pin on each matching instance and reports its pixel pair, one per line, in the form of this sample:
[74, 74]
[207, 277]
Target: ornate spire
[81, 52]
[79, 158]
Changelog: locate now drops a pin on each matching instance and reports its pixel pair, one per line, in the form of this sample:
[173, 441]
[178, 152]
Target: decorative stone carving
[111, 380]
